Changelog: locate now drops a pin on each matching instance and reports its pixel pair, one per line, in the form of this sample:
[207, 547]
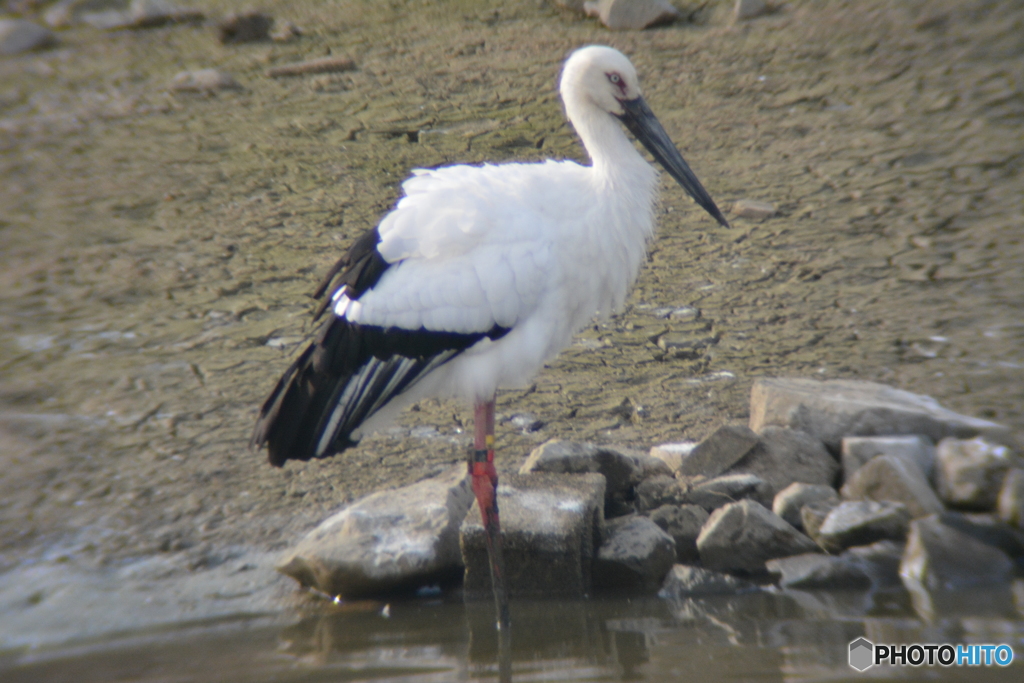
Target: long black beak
[644, 125]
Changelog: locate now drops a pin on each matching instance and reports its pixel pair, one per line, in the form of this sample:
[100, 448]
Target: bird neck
[615, 160]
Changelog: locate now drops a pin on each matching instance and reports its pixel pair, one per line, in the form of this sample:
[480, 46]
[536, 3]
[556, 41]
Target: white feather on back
[473, 247]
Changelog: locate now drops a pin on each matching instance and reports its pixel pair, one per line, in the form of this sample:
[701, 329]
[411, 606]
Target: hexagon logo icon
[862, 654]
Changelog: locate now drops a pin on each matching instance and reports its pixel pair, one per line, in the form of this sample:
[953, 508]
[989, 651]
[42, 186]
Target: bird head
[601, 75]
[602, 79]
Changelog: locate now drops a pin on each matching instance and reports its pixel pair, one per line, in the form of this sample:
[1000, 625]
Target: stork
[478, 276]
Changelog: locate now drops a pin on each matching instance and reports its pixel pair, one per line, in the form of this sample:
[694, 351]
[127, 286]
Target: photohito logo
[864, 654]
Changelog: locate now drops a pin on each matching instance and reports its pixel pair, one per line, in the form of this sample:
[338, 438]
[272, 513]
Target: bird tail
[347, 374]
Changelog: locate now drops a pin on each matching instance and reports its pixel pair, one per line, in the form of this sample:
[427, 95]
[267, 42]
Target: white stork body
[537, 249]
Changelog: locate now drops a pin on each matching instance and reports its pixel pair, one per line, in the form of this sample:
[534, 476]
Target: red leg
[485, 486]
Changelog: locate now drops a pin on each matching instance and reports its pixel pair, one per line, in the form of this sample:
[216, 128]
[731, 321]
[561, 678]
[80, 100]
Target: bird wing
[430, 282]
[469, 248]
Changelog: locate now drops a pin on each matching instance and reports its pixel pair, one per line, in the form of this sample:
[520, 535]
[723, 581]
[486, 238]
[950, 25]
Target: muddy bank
[158, 247]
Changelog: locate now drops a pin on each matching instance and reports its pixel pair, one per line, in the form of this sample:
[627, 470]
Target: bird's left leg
[485, 486]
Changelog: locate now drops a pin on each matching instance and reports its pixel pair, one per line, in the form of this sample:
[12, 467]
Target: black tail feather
[347, 374]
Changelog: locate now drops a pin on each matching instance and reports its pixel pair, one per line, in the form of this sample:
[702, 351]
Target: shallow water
[792, 635]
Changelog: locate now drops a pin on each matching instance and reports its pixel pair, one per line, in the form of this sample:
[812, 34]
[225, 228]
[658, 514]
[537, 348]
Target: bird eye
[615, 78]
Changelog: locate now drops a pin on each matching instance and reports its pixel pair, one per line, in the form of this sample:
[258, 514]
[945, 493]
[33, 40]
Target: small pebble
[750, 9]
[149, 13]
[203, 80]
[245, 27]
[526, 422]
[753, 209]
[18, 35]
[285, 31]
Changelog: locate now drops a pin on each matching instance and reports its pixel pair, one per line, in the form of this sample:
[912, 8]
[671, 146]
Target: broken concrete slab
[720, 451]
[814, 570]
[789, 501]
[550, 527]
[891, 478]
[832, 409]
[684, 581]
[683, 523]
[635, 555]
[970, 473]
[572, 457]
[389, 541]
[712, 494]
[856, 451]
[784, 456]
[862, 522]
[743, 535]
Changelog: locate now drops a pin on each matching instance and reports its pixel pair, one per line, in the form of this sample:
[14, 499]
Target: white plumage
[535, 249]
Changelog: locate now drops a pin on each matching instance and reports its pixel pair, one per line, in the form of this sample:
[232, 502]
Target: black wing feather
[349, 371]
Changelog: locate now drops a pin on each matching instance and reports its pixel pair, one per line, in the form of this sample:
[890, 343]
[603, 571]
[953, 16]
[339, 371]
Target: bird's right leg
[485, 486]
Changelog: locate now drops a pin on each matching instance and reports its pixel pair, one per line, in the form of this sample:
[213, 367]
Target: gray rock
[814, 570]
[813, 515]
[879, 560]
[684, 581]
[743, 535]
[833, 409]
[712, 494]
[753, 209]
[673, 454]
[890, 478]
[858, 450]
[719, 452]
[203, 80]
[390, 540]
[939, 557]
[19, 35]
[970, 473]
[785, 456]
[550, 527]
[862, 522]
[683, 523]
[621, 471]
[789, 501]
[620, 15]
[636, 555]
[1010, 503]
[657, 491]
[745, 10]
